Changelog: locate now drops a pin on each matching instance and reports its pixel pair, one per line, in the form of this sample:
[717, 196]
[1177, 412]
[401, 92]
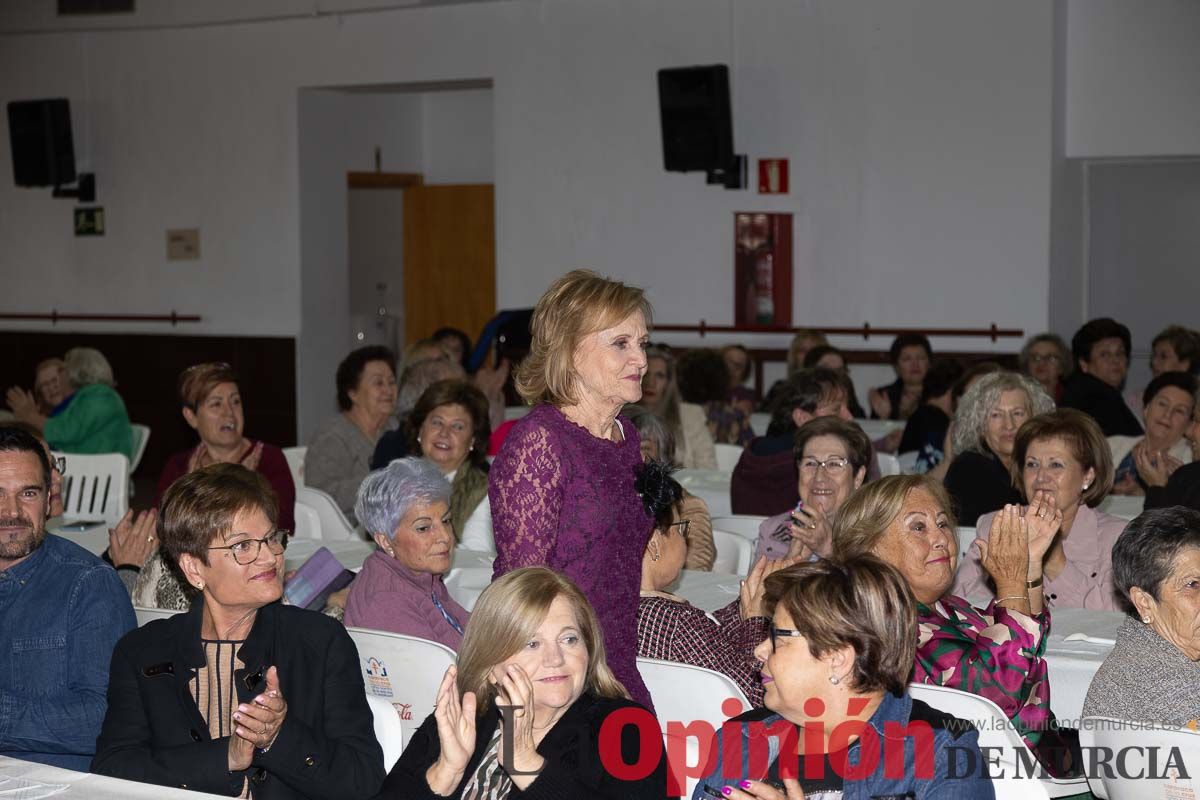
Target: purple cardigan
[388, 596]
[1085, 582]
[566, 499]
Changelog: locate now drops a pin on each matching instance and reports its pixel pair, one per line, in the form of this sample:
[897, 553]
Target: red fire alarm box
[762, 268]
[772, 176]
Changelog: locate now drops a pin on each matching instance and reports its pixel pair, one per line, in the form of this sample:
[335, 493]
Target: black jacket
[1105, 404]
[154, 733]
[1182, 489]
[571, 750]
[979, 483]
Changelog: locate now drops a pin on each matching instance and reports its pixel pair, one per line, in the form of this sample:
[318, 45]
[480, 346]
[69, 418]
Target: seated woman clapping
[521, 712]
[996, 652]
[836, 666]
[672, 629]
[241, 695]
[406, 508]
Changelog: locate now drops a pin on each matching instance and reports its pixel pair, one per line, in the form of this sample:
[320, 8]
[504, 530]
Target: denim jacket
[62, 611]
[952, 739]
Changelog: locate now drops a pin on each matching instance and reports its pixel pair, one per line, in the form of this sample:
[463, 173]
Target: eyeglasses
[59, 464]
[776, 633]
[247, 551]
[683, 525]
[1042, 358]
[834, 466]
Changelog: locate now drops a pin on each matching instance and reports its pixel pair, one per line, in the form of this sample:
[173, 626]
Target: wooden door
[449, 259]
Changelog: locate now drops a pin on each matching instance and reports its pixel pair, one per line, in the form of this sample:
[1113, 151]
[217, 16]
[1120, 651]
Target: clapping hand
[515, 699]
[456, 734]
[257, 723]
[23, 404]
[811, 532]
[1005, 555]
[757, 790]
[133, 540]
[1043, 518]
[880, 403]
[1155, 469]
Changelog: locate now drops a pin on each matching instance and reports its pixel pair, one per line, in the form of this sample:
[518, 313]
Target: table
[85, 785]
[1123, 506]
[94, 539]
[711, 486]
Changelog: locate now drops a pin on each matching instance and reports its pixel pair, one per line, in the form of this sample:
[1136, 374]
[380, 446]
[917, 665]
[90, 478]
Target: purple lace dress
[564, 498]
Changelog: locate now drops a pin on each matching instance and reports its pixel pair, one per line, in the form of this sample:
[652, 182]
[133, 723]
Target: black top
[895, 393]
[154, 733]
[925, 433]
[765, 481]
[1182, 489]
[979, 483]
[574, 768]
[1103, 403]
[392, 445]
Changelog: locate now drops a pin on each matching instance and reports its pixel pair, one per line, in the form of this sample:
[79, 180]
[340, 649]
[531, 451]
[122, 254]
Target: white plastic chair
[1117, 736]
[308, 522]
[334, 525]
[404, 671]
[888, 464]
[95, 487]
[908, 462]
[389, 730]
[465, 584]
[744, 525]
[691, 750]
[685, 693]
[1017, 764]
[141, 436]
[295, 460]
[144, 614]
[734, 553]
[727, 456]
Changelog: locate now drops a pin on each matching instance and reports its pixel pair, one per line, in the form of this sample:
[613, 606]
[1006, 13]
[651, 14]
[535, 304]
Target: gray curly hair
[386, 495]
[86, 365]
[971, 417]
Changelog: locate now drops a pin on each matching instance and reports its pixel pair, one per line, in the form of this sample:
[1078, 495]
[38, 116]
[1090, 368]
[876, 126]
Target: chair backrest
[888, 464]
[308, 522]
[1137, 781]
[727, 456]
[744, 525]
[1016, 769]
[402, 670]
[733, 553]
[334, 525]
[95, 487]
[141, 436]
[144, 614]
[389, 730]
[684, 693]
[465, 584]
[295, 460]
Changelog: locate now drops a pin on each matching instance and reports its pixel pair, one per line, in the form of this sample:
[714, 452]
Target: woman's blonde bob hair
[867, 514]
[508, 614]
[577, 304]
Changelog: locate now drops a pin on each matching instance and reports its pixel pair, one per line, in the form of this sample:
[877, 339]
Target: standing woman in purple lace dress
[562, 486]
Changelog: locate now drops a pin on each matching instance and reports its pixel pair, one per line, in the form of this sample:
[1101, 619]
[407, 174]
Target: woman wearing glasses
[241, 696]
[672, 629]
[835, 667]
[832, 457]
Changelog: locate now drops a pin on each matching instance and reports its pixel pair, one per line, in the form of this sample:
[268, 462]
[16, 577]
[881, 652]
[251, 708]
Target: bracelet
[1035, 583]
[1020, 597]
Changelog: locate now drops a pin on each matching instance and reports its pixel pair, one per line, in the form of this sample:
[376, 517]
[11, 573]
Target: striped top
[214, 691]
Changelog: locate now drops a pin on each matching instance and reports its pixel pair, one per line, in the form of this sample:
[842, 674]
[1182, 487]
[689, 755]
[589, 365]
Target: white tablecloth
[84, 785]
[711, 486]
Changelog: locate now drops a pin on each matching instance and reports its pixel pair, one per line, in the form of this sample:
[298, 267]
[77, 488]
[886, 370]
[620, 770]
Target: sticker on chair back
[378, 682]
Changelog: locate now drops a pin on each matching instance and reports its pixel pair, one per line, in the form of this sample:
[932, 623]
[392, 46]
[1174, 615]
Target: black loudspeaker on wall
[43, 151]
[697, 126]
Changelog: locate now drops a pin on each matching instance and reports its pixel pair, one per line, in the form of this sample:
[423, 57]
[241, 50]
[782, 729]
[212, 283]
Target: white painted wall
[457, 129]
[1133, 78]
[919, 133]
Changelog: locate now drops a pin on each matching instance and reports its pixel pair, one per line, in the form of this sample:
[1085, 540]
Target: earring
[200, 585]
[655, 552]
[1146, 620]
[835, 680]
[1085, 486]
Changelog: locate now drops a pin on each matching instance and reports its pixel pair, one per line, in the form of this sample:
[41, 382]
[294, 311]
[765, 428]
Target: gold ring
[812, 525]
[149, 538]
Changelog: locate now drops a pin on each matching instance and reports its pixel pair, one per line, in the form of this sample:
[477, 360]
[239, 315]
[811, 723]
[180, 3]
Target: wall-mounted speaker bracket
[732, 177]
[84, 190]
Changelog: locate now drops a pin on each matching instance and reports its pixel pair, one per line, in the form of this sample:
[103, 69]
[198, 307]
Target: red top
[271, 464]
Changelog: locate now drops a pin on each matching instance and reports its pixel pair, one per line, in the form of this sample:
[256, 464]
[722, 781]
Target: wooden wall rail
[866, 330]
[54, 317]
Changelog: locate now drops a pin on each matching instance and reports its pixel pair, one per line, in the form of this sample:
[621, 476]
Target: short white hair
[86, 365]
[974, 406]
[386, 495]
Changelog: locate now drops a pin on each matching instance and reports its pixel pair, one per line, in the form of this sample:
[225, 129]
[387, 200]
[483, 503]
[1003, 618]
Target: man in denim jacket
[62, 611]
